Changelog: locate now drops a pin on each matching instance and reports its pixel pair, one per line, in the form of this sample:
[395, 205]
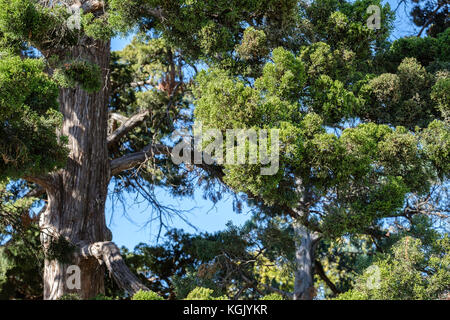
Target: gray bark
[305, 244]
[304, 259]
[77, 193]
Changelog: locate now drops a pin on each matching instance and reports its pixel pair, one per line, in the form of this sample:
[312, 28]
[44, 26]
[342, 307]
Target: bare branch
[126, 127]
[35, 193]
[46, 181]
[118, 117]
[109, 254]
[134, 159]
[430, 18]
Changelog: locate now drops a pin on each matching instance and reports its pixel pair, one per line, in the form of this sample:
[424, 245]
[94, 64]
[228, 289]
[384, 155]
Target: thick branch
[109, 253]
[118, 117]
[45, 182]
[430, 19]
[126, 127]
[321, 272]
[134, 159]
[36, 193]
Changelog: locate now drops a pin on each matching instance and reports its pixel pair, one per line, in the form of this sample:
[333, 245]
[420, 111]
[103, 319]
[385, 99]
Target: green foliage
[165, 262]
[272, 296]
[28, 143]
[411, 271]
[216, 262]
[332, 100]
[253, 45]
[200, 293]
[43, 27]
[79, 72]
[425, 50]
[399, 99]
[97, 28]
[146, 295]
[372, 167]
[363, 125]
[194, 26]
[436, 145]
[61, 250]
[441, 96]
[21, 262]
[70, 296]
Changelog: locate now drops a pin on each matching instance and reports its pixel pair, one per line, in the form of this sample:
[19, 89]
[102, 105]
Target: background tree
[355, 139]
[21, 257]
[430, 16]
[239, 262]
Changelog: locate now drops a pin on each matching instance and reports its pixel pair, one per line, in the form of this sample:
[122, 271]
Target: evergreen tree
[358, 133]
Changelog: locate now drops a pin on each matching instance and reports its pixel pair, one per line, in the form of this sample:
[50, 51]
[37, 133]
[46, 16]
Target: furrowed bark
[77, 199]
[77, 193]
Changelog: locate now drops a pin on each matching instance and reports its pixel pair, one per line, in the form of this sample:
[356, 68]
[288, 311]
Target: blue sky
[130, 225]
[128, 222]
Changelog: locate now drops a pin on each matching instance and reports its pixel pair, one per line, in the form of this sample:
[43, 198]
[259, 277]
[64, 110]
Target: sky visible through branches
[130, 221]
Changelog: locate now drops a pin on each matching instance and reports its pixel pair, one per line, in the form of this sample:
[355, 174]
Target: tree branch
[430, 18]
[118, 117]
[321, 272]
[126, 127]
[45, 182]
[109, 254]
[35, 193]
[134, 159]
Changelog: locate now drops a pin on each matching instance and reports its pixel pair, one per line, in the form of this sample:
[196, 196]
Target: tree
[355, 139]
[21, 258]
[238, 262]
[430, 15]
[76, 118]
[75, 85]
[411, 271]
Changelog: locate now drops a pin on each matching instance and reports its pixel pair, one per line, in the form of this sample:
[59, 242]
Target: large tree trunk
[305, 244]
[77, 193]
[76, 206]
[304, 259]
